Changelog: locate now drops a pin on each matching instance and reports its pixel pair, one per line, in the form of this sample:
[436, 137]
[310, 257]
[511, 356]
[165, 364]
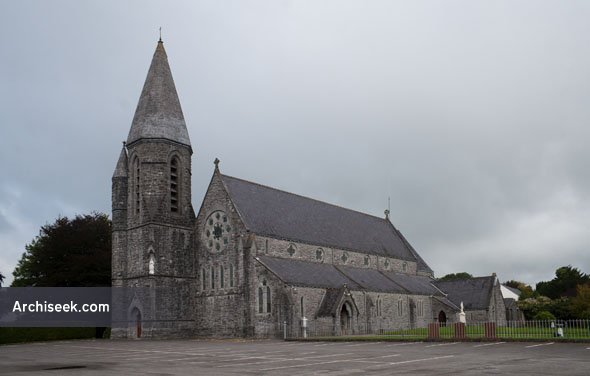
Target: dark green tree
[68, 253]
[455, 276]
[1, 279]
[567, 278]
[580, 305]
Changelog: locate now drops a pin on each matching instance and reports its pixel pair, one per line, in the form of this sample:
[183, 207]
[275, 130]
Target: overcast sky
[472, 116]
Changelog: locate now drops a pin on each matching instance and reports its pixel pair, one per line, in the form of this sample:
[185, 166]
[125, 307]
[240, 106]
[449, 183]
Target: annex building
[253, 257]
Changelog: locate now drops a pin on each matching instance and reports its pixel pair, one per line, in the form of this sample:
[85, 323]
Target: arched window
[221, 276]
[231, 275]
[302, 308]
[213, 278]
[400, 307]
[420, 308]
[137, 184]
[174, 173]
[152, 264]
[260, 300]
[405, 267]
[264, 297]
[204, 279]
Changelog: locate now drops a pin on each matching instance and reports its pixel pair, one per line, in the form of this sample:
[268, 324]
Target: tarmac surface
[273, 357]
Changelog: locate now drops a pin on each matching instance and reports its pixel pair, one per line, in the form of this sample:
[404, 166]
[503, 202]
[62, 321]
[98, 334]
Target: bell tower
[153, 218]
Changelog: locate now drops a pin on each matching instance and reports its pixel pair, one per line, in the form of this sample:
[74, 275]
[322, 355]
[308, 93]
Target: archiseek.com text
[45, 307]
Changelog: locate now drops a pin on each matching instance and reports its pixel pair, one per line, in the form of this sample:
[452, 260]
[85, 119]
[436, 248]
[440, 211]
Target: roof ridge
[305, 197]
[464, 279]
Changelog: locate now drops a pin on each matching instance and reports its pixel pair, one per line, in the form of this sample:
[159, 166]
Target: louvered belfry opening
[137, 186]
[174, 185]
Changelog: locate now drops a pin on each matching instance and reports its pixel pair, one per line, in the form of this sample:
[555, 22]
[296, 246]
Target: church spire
[121, 168]
[158, 114]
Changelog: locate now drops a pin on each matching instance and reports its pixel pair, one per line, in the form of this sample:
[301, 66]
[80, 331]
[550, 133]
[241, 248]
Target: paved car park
[268, 357]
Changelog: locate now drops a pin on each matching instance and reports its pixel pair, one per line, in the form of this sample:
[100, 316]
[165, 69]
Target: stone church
[253, 260]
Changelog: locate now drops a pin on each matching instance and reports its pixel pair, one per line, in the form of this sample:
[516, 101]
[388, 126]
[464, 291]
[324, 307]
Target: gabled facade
[481, 297]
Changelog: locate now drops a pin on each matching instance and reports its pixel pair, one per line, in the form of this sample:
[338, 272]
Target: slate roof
[447, 302]
[475, 293]
[313, 274]
[329, 302]
[371, 279]
[516, 291]
[279, 214]
[414, 284]
[422, 266]
[158, 114]
[309, 274]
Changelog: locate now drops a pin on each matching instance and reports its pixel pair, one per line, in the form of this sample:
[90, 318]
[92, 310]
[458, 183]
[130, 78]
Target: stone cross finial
[216, 162]
[387, 214]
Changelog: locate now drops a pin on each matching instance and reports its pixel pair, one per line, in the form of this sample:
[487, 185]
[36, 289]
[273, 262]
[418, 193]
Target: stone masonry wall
[156, 232]
[222, 310]
[313, 253]
[497, 308]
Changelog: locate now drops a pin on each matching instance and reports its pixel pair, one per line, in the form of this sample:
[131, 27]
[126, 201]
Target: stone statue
[462, 315]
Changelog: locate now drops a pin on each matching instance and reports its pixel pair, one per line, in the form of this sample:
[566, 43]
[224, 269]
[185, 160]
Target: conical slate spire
[121, 168]
[158, 114]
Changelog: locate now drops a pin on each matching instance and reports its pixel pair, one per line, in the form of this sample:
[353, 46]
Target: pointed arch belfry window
[174, 183]
[136, 184]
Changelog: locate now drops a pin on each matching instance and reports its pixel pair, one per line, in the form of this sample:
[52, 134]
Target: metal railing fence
[526, 330]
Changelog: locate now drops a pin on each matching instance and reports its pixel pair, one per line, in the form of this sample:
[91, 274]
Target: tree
[1, 279]
[564, 284]
[532, 306]
[544, 315]
[581, 303]
[68, 253]
[455, 276]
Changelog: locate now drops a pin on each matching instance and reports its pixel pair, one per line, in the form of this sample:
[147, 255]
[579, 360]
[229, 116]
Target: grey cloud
[472, 117]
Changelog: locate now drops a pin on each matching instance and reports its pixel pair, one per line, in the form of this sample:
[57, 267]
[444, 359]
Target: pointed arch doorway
[345, 318]
[136, 322]
[442, 318]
